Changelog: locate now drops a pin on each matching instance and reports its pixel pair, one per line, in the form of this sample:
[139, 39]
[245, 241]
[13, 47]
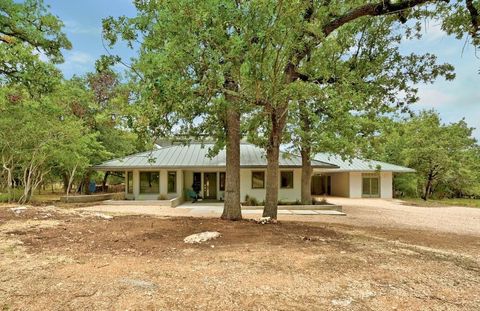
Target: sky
[454, 100]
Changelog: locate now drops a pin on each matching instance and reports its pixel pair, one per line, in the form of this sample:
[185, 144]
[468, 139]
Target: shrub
[251, 201]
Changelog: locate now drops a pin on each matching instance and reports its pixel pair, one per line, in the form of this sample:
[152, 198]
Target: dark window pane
[286, 179]
[129, 182]
[149, 182]
[172, 182]
[222, 181]
[258, 180]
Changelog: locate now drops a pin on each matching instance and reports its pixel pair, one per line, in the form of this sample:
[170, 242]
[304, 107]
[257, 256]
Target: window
[286, 179]
[258, 180]
[149, 182]
[370, 185]
[129, 182]
[222, 181]
[172, 182]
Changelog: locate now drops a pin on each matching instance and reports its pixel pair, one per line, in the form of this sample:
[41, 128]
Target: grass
[43, 197]
[444, 202]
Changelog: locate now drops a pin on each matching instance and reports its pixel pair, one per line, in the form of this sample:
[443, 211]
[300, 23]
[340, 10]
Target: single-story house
[171, 171]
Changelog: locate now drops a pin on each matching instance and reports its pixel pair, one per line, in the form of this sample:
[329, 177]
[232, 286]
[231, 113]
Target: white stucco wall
[355, 184]
[345, 184]
[386, 185]
[284, 194]
[340, 184]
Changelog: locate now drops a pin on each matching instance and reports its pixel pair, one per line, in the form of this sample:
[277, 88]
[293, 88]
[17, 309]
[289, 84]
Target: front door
[370, 186]
[210, 185]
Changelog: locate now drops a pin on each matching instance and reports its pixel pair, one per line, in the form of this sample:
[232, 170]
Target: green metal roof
[196, 155]
[357, 164]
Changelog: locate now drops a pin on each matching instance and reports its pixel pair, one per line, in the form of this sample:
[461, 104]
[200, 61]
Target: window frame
[263, 183]
[129, 182]
[174, 182]
[293, 177]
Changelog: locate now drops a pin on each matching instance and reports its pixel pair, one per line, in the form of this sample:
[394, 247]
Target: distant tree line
[53, 129]
[446, 157]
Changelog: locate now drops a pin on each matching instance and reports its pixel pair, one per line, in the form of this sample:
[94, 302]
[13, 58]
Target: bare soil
[59, 259]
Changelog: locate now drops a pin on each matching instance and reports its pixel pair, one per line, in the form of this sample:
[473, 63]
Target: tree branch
[473, 17]
[381, 8]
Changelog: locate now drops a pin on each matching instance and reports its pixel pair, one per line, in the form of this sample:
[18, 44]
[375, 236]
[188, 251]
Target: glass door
[370, 186]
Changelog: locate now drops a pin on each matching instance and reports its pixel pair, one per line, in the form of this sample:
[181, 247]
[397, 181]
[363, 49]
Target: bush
[251, 201]
[118, 196]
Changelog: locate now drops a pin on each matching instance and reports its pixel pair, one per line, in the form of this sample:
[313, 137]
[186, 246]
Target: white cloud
[432, 97]
[77, 62]
[73, 27]
[79, 58]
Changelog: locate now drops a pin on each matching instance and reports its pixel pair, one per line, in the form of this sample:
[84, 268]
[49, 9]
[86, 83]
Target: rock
[201, 237]
[103, 216]
[139, 283]
[18, 210]
[342, 302]
[266, 220]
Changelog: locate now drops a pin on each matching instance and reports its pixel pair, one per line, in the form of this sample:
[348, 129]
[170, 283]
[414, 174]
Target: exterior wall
[386, 185]
[355, 184]
[163, 182]
[340, 184]
[343, 184]
[287, 195]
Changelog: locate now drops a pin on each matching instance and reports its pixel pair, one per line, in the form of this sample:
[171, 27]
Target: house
[170, 171]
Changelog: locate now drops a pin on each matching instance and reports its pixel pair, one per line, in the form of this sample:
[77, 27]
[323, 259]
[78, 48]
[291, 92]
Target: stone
[342, 302]
[18, 210]
[103, 216]
[266, 220]
[139, 283]
[201, 237]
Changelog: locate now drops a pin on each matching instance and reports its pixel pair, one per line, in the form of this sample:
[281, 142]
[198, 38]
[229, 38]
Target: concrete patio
[198, 209]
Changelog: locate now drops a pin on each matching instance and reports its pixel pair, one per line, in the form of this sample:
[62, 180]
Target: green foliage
[27, 32]
[445, 156]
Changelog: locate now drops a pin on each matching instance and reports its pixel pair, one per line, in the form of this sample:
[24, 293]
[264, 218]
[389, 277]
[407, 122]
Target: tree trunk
[305, 152]
[70, 180]
[271, 197]
[86, 183]
[65, 179]
[306, 175]
[278, 118]
[104, 182]
[232, 209]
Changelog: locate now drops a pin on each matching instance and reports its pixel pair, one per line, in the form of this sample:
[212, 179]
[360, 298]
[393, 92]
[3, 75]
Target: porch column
[136, 184]
[180, 183]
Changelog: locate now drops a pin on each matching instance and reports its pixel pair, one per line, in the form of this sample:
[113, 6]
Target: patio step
[138, 202]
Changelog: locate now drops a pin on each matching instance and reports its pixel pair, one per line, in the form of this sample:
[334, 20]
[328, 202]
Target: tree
[368, 79]
[318, 24]
[190, 67]
[445, 156]
[28, 31]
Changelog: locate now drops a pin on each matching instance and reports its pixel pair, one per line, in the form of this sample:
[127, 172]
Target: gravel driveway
[377, 213]
[395, 214]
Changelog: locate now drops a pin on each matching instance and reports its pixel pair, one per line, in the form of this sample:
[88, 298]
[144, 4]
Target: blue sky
[453, 99]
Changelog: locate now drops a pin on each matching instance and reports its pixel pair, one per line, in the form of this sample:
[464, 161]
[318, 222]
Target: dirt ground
[64, 259]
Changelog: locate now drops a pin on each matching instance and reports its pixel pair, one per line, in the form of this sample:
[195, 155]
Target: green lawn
[444, 202]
